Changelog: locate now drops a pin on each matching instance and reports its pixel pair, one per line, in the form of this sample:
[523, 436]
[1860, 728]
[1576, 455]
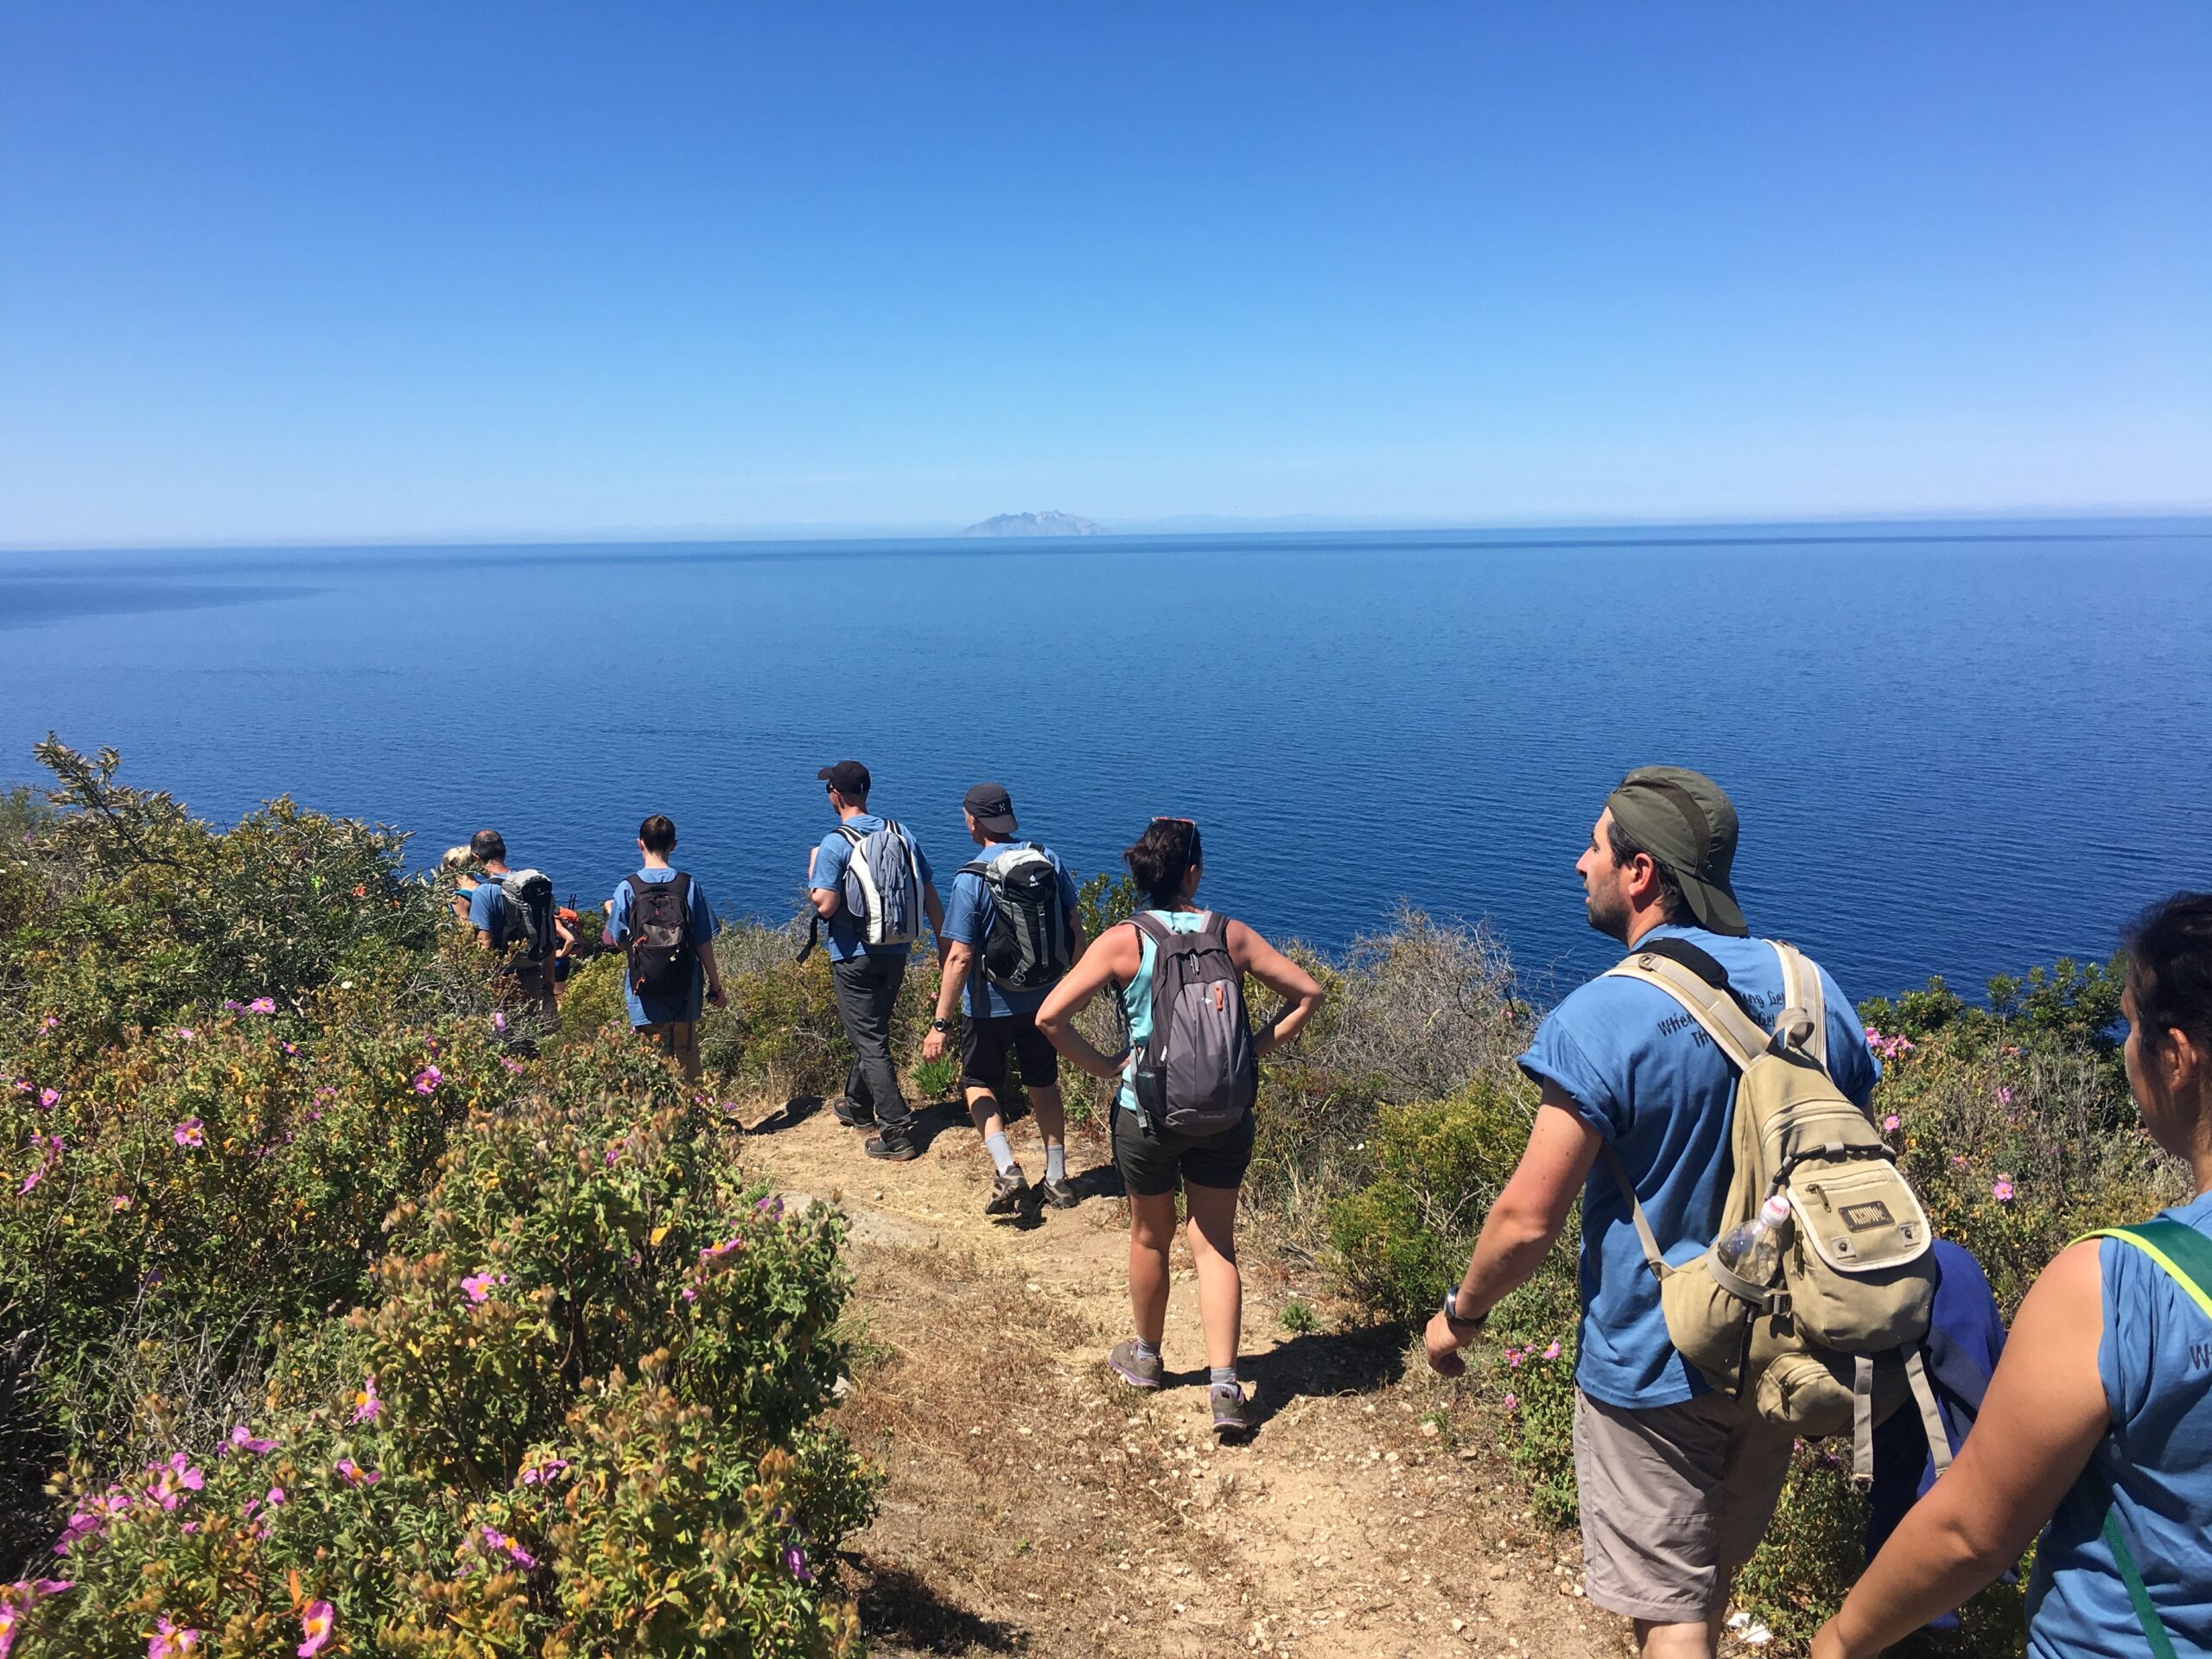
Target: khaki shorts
[1673, 1498]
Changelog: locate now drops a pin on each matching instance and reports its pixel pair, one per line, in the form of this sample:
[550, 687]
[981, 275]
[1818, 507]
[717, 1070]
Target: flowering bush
[575, 1405]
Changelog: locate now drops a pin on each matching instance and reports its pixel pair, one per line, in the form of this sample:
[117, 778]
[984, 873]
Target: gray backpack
[1196, 1074]
[883, 885]
[1028, 944]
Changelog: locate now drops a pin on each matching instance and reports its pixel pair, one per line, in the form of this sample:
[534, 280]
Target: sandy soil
[1037, 1506]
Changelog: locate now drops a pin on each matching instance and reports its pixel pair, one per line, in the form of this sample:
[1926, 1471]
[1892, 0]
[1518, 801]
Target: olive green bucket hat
[1687, 823]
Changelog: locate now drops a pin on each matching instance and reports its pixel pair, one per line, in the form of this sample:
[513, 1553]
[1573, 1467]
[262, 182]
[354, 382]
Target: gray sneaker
[1059, 1194]
[1134, 1369]
[1234, 1416]
[1009, 1192]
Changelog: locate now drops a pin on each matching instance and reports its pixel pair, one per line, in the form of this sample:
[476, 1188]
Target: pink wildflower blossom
[353, 1475]
[1959, 1159]
[1515, 1355]
[171, 1641]
[1512, 1400]
[49, 1022]
[512, 1064]
[428, 1079]
[120, 1201]
[480, 1286]
[262, 1005]
[316, 1624]
[51, 1149]
[498, 1021]
[1892, 1122]
[506, 1545]
[795, 1561]
[541, 1472]
[368, 1405]
[276, 1499]
[2003, 1096]
[1552, 1352]
[190, 1133]
[49, 1098]
[174, 1481]
[2002, 1192]
[244, 1439]
[689, 1294]
[185, 1033]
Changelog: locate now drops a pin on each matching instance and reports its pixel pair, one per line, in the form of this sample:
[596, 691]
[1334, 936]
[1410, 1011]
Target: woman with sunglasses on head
[2097, 1428]
[1207, 957]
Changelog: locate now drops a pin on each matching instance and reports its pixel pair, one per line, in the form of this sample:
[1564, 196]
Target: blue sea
[1956, 748]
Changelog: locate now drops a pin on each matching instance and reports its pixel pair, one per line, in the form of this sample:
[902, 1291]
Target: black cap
[991, 808]
[848, 777]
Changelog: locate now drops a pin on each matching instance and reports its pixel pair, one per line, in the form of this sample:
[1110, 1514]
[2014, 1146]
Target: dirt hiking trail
[1037, 1506]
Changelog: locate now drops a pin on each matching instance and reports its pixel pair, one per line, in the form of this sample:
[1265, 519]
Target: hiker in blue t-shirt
[671, 950]
[1677, 1482]
[2097, 1426]
[527, 941]
[1040, 944]
[858, 899]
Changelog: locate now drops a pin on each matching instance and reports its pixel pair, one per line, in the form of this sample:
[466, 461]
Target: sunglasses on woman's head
[1164, 818]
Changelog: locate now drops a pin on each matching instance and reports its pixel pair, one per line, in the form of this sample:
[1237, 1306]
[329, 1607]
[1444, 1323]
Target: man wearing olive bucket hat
[1676, 1481]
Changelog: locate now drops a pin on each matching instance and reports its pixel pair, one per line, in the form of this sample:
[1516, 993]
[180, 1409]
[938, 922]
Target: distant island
[1033, 524]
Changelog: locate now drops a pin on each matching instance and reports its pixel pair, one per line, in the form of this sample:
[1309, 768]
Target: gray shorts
[1673, 1498]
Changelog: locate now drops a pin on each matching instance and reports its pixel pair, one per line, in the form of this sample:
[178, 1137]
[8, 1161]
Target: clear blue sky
[309, 270]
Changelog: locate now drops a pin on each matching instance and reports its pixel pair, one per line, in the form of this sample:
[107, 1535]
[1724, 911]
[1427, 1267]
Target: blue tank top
[1136, 995]
[2154, 1464]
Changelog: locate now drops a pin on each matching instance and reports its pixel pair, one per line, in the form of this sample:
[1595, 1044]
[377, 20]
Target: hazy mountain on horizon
[1033, 524]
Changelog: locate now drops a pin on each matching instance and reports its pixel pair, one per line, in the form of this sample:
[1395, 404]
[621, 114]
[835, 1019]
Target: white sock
[1002, 1154]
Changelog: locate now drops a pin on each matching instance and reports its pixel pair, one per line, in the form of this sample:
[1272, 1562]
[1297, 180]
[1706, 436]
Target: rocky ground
[1036, 1505]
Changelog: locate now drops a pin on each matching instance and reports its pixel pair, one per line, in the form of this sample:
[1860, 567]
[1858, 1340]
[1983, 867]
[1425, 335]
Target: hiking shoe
[1058, 1194]
[1234, 1416]
[897, 1149]
[1009, 1191]
[852, 1114]
[1133, 1370]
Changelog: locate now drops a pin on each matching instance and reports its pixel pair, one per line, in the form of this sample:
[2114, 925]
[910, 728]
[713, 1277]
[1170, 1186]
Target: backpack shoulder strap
[1151, 927]
[1215, 926]
[1804, 1019]
[1733, 1032]
[2183, 1254]
[637, 883]
[849, 833]
[975, 867]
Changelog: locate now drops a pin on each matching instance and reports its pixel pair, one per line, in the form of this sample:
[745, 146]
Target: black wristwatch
[1452, 1312]
[940, 1025]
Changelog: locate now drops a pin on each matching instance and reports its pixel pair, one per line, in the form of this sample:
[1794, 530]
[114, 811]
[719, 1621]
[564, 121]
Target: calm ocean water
[1957, 750]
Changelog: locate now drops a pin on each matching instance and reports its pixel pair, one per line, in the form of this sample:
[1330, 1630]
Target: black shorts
[1152, 1162]
[984, 1046]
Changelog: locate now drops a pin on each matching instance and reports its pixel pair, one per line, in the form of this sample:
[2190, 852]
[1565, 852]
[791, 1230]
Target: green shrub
[592, 1000]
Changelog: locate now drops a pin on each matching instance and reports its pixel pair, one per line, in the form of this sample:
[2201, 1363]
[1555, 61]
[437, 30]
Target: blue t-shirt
[659, 1010]
[487, 907]
[2153, 1468]
[830, 860]
[970, 914]
[1644, 1074]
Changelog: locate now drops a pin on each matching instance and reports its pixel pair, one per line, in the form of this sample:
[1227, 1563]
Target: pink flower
[513, 1551]
[689, 1294]
[171, 1641]
[49, 1022]
[353, 1475]
[2003, 1096]
[1512, 1400]
[428, 1079]
[480, 1286]
[368, 1405]
[714, 1253]
[243, 1440]
[1959, 1159]
[120, 1201]
[185, 1033]
[795, 1561]
[548, 1471]
[1515, 1355]
[262, 1005]
[316, 1624]
[2002, 1192]
[190, 1133]
[1552, 1352]
[498, 1021]
[276, 1499]
[174, 1481]
[1892, 1122]
[49, 1098]
[51, 1149]
[513, 1065]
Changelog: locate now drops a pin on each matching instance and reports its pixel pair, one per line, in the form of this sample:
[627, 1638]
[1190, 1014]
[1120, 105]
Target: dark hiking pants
[867, 987]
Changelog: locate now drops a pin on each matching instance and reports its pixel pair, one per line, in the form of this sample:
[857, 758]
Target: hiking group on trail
[1755, 1269]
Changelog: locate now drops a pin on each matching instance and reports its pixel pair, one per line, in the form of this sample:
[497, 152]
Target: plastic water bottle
[1752, 1249]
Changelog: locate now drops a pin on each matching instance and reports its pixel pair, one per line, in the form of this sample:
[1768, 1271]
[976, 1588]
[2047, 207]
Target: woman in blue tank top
[1154, 1159]
[2097, 1429]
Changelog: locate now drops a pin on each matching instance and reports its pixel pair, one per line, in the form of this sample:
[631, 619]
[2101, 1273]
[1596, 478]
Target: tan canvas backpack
[1835, 1345]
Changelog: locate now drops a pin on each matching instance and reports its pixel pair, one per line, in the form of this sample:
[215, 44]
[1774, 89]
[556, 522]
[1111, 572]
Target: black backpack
[1196, 1074]
[1028, 944]
[662, 950]
[529, 920]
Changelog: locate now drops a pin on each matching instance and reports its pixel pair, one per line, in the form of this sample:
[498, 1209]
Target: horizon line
[1194, 524]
